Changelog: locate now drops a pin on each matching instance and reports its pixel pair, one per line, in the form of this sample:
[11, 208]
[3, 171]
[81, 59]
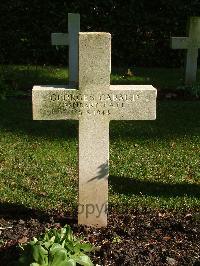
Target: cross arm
[179, 42]
[55, 103]
[135, 102]
[59, 38]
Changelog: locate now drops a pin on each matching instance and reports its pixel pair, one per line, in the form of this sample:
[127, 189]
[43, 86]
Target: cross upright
[192, 44]
[71, 39]
[94, 103]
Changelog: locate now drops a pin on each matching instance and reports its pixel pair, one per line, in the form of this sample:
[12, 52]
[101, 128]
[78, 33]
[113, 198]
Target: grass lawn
[20, 79]
[152, 163]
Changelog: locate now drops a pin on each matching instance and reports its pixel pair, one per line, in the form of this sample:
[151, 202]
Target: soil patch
[137, 237]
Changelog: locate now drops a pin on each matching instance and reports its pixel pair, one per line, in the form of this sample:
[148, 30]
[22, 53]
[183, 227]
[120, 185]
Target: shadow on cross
[131, 186]
[102, 172]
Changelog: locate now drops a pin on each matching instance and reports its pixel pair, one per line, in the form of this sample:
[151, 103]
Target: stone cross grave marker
[71, 39]
[192, 44]
[94, 104]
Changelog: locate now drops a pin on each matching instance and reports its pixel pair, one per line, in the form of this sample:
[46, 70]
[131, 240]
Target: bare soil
[135, 237]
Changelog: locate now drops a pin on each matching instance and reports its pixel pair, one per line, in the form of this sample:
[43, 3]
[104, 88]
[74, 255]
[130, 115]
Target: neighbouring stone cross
[94, 104]
[192, 44]
[71, 39]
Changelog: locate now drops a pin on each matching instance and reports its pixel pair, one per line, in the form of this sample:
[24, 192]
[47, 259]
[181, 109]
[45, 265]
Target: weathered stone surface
[94, 104]
[70, 39]
[119, 102]
[192, 44]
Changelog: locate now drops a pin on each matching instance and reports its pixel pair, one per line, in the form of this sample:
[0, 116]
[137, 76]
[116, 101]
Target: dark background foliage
[140, 29]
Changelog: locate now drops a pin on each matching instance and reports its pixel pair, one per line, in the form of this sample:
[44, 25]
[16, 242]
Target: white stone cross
[71, 39]
[94, 104]
[192, 44]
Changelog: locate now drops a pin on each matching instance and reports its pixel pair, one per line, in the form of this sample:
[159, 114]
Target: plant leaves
[86, 247]
[70, 262]
[54, 248]
[57, 247]
[82, 259]
[40, 255]
[60, 257]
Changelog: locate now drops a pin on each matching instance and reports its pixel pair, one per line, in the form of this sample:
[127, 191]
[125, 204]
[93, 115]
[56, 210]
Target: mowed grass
[21, 79]
[154, 164]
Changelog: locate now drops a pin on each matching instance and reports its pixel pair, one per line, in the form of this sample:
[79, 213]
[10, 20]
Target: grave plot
[94, 103]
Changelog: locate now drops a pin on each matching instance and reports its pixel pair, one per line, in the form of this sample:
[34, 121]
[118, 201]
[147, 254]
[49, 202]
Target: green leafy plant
[57, 247]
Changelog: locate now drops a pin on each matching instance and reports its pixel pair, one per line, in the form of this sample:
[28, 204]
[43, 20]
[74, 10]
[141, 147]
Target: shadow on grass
[16, 117]
[174, 118]
[18, 211]
[130, 186]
